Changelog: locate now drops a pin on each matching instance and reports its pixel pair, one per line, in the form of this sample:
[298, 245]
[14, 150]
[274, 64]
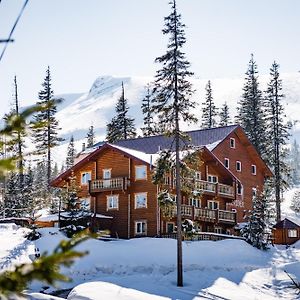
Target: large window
[112, 202]
[170, 226]
[85, 177]
[106, 173]
[141, 227]
[195, 202]
[140, 172]
[211, 204]
[140, 200]
[292, 233]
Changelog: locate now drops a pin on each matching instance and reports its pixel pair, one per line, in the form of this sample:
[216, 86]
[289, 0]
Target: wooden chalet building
[117, 181]
[286, 232]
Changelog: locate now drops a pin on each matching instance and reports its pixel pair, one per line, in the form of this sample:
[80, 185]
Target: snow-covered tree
[45, 128]
[121, 126]
[90, 137]
[172, 102]
[294, 163]
[149, 127]
[295, 203]
[71, 153]
[224, 115]
[277, 132]
[251, 110]
[260, 220]
[209, 110]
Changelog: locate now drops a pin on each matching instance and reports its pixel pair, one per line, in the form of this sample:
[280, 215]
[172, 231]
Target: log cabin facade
[117, 181]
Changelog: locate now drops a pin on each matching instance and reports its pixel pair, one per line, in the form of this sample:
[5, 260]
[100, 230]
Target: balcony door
[106, 177]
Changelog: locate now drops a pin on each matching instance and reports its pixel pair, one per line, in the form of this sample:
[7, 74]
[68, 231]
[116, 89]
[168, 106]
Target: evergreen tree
[71, 153]
[171, 102]
[149, 125]
[277, 134]
[295, 203]
[40, 183]
[45, 128]
[260, 221]
[294, 162]
[90, 137]
[250, 110]
[224, 115]
[209, 111]
[121, 126]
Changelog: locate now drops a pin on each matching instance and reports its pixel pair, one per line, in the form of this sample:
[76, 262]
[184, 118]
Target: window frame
[253, 169]
[197, 175]
[232, 143]
[241, 189]
[108, 202]
[170, 223]
[212, 176]
[191, 200]
[142, 233]
[81, 177]
[213, 201]
[226, 164]
[103, 173]
[292, 233]
[138, 167]
[238, 162]
[135, 200]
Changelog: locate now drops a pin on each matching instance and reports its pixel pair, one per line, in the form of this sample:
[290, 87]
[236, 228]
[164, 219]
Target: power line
[13, 28]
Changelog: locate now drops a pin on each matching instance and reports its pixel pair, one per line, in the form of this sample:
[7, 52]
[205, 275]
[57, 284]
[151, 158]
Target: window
[292, 233]
[238, 166]
[170, 227]
[85, 203]
[141, 227]
[239, 189]
[253, 169]
[85, 177]
[212, 178]
[254, 192]
[232, 143]
[140, 172]
[198, 175]
[226, 163]
[112, 202]
[140, 200]
[195, 202]
[211, 204]
[218, 230]
[106, 173]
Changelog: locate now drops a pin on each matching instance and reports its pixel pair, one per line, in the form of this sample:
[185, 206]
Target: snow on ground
[145, 268]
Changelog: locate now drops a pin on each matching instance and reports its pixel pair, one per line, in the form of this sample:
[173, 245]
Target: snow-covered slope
[97, 106]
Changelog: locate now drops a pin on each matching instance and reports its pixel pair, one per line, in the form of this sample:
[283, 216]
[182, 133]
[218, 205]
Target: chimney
[83, 146]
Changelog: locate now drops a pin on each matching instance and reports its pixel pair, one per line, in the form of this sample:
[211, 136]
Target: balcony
[207, 215]
[112, 184]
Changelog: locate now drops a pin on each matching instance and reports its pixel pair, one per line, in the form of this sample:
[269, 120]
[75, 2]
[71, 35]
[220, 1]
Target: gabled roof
[152, 144]
[286, 224]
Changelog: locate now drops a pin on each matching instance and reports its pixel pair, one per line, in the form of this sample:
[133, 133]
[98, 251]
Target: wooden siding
[280, 236]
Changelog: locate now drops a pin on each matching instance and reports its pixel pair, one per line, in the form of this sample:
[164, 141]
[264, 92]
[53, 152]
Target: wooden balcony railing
[205, 186]
[206, 215]
[226, 190]
[99, 185]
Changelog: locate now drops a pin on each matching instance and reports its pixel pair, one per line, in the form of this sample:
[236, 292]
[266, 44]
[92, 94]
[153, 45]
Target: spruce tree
[277, 134]
[90, 137]
[250, 109]
[224, 115]
[294, 163]
[71, 153]
[121, 126]
[209, 111]
[171, 102]
[45, 128]
[148, 123]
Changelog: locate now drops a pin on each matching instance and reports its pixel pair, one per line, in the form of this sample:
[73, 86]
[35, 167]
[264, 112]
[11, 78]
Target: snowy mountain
[97, 106]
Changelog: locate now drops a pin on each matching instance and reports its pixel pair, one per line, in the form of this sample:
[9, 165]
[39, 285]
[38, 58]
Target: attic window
[232, 143]
[85, 177]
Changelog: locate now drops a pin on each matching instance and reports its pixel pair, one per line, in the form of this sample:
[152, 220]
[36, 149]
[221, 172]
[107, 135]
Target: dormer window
[232, 143]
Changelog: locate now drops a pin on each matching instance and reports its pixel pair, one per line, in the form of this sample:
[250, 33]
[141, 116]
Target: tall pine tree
[250, 109]
[121, 126]
[171, 102]
[209, 111]
[224, 115]
[148, 123]
[45, 128]
[294, 162]
[71, 153]
[90, 137]
[277, 134]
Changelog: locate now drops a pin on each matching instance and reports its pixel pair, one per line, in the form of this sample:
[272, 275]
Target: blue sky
[83, 39]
